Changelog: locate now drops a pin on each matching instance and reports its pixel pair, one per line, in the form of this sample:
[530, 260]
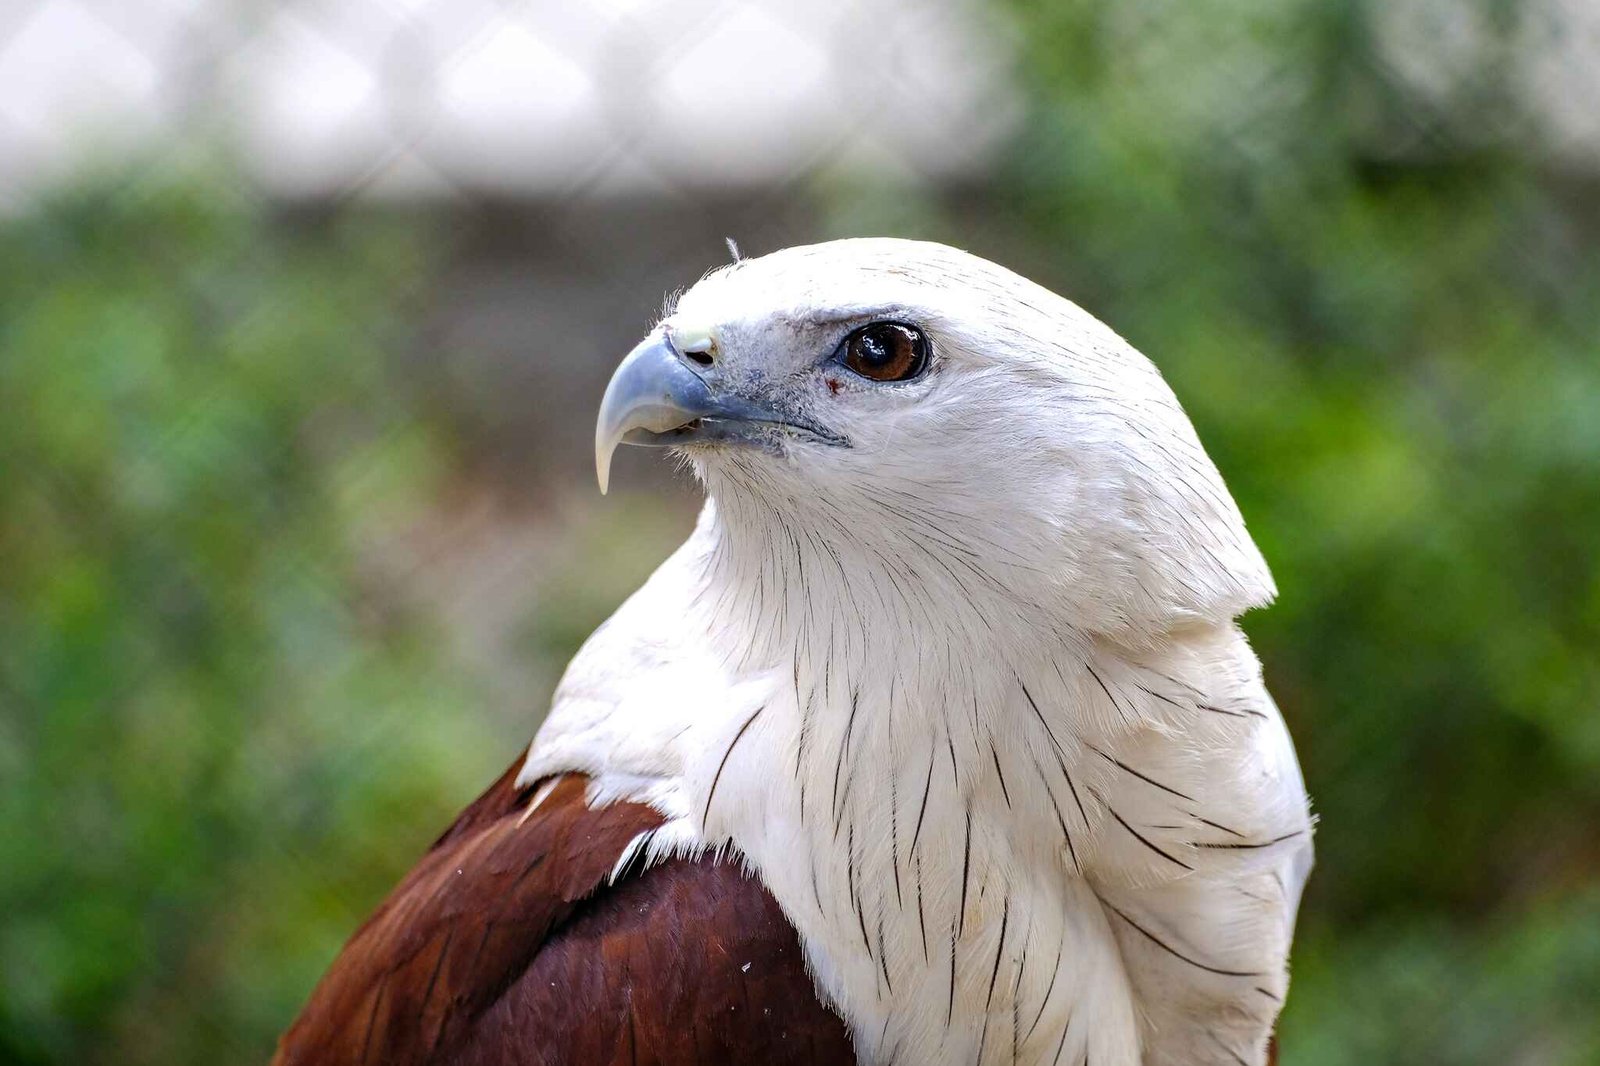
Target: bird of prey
[936, 743]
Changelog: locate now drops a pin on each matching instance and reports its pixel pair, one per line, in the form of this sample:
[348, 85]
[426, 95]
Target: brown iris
[886, 351]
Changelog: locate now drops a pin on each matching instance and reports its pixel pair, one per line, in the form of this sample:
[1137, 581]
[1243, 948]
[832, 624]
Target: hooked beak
[656, 399]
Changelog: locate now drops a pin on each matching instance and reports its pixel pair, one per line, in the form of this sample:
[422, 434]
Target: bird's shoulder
[509, 943]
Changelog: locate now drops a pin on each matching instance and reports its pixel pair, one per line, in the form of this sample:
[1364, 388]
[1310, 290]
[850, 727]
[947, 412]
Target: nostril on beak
[696, 346]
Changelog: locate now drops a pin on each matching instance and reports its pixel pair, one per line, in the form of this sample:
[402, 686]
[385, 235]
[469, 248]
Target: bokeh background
[305, 309]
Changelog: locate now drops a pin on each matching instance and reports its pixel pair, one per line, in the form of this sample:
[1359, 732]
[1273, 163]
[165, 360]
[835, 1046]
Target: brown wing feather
[504, 946]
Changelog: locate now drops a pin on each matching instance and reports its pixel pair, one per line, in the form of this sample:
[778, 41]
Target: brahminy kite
[936, 743]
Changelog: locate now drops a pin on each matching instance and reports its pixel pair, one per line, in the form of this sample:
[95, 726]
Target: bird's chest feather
[926, 870]
[988, 859]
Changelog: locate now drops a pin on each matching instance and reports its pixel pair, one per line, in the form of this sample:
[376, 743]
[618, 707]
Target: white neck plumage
[963, 803]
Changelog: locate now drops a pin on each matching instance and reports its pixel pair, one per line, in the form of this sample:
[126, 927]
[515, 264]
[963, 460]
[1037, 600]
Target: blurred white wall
[423, 98]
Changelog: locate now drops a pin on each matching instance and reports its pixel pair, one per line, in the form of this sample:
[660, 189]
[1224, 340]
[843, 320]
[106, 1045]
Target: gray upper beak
[657, 398]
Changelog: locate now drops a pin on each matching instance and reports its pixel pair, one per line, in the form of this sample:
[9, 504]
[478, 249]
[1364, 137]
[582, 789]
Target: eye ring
[886, 352]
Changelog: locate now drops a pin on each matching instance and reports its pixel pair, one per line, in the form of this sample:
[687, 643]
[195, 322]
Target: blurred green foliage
[215, 727]
[224, 732]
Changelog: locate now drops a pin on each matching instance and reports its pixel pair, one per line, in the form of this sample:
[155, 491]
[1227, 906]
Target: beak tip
[602, 466]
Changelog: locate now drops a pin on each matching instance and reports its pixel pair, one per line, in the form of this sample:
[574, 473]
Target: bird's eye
[886, 351]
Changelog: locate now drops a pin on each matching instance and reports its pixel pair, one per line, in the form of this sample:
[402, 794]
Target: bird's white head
[914, 407]
[950, 660]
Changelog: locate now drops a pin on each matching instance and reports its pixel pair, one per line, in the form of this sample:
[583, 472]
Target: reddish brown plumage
[504, 946]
